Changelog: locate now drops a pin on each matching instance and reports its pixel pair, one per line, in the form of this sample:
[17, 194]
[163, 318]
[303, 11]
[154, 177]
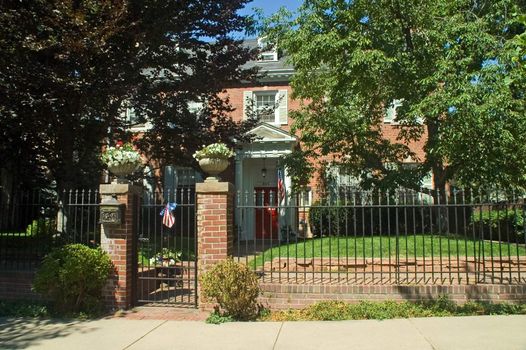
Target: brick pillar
[118, 241]
[215, 224]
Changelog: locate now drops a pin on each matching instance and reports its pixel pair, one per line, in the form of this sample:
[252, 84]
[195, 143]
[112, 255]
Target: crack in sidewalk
[144, 335]
[277, 336]
[422, 334]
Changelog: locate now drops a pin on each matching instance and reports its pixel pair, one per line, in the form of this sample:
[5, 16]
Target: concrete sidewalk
[482, 332]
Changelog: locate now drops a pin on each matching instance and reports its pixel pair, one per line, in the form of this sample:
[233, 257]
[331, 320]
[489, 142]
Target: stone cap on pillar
[214, 187]
[118, 189]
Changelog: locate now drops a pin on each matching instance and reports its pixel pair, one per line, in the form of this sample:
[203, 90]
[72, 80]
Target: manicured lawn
[385, 246]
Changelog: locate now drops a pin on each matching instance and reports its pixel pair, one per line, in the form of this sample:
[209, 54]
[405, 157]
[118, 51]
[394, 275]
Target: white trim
[272, 93]
[273, 52]
[141, 128]
[390, 112]
[282, 134]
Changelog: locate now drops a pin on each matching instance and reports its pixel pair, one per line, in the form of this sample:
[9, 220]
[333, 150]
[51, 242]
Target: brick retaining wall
[16, 285]
[295, 296]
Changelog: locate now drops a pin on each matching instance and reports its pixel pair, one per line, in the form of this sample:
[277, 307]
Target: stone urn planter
[122, 170]
[213, 167]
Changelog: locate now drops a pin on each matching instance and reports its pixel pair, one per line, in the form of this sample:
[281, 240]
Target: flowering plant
[166, 257]
[215, 150]
[120, 154]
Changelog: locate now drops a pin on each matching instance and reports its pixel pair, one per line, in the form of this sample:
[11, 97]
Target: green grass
[441, 307]
[385, 246]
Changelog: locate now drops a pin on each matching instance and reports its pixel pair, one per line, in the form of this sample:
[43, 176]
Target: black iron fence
[167, 272]
[374, 237]
[33, 222]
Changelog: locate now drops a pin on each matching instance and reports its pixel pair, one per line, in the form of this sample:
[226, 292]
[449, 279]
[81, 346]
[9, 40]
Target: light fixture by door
[264, 170]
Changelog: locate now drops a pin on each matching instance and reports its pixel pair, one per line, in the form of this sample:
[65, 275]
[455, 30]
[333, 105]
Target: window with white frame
[345, 179]
[269, 106]
[305, 197]
[427, 181]
[265, 106]
[341, 180]
[132, 120]
[390, 113]
[128, 114]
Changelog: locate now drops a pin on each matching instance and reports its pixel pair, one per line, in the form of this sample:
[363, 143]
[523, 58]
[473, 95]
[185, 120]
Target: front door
[266, 212]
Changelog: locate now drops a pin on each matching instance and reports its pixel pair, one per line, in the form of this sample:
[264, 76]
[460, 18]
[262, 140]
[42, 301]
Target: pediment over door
[265, 132]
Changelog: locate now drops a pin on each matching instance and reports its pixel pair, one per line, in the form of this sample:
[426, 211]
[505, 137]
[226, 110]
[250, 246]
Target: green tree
[452, 65]
[68, 68]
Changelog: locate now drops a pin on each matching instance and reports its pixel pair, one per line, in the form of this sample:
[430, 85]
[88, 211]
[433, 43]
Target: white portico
[257, 170]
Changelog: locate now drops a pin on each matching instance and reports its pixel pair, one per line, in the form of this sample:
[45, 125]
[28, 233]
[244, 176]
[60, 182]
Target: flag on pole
[281, 186]
[168, 217]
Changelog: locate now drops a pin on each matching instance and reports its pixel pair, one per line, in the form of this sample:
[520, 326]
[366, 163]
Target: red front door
[266, 212]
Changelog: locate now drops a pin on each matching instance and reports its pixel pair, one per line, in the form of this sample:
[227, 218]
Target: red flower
[119, 144]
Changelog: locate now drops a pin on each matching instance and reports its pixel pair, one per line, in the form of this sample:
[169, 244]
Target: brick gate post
[119, 241]
[215, 224]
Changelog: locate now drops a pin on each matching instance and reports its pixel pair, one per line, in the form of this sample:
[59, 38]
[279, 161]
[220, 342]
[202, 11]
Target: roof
[278, 70]
[270, 71]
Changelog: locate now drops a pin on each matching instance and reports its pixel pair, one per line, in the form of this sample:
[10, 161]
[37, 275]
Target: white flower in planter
[215, 150]
[120, 155]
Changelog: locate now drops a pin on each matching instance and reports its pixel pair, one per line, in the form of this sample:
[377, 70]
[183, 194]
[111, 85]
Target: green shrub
[329, 219]
[389, 309]
[234, 287]
[22, 308]
[72, 277]
[217, 318]
[510, 222]
[41, 227]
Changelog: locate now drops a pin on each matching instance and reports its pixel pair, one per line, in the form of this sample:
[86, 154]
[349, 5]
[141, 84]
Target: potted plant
[213, 159]
[166, 257]
[121, 160]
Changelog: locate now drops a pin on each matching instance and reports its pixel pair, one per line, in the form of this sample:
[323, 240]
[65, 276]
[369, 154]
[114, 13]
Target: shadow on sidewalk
[20, 333]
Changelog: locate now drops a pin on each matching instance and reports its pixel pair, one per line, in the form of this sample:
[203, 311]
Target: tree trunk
[440, 178]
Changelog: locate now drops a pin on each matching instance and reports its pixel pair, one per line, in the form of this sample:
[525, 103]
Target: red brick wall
[118, 242]
[215, 227]
[215, 224]
[289, 296]
[16, 285]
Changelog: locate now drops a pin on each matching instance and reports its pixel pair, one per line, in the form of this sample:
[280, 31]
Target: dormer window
[267, 53]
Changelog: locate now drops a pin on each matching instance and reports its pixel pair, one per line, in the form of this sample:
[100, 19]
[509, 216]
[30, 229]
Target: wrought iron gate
[166, 256]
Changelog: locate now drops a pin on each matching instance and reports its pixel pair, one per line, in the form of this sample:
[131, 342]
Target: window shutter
[247, 98]
[283, 106]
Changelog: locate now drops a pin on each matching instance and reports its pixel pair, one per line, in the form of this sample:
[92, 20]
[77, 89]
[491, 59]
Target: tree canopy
[69, 68]
[453, 66]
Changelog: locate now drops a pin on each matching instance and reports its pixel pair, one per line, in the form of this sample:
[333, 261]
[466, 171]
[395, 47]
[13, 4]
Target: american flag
[281, 185]
[168, 217]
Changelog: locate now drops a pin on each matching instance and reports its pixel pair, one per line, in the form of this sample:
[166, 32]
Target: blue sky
[271, 6]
